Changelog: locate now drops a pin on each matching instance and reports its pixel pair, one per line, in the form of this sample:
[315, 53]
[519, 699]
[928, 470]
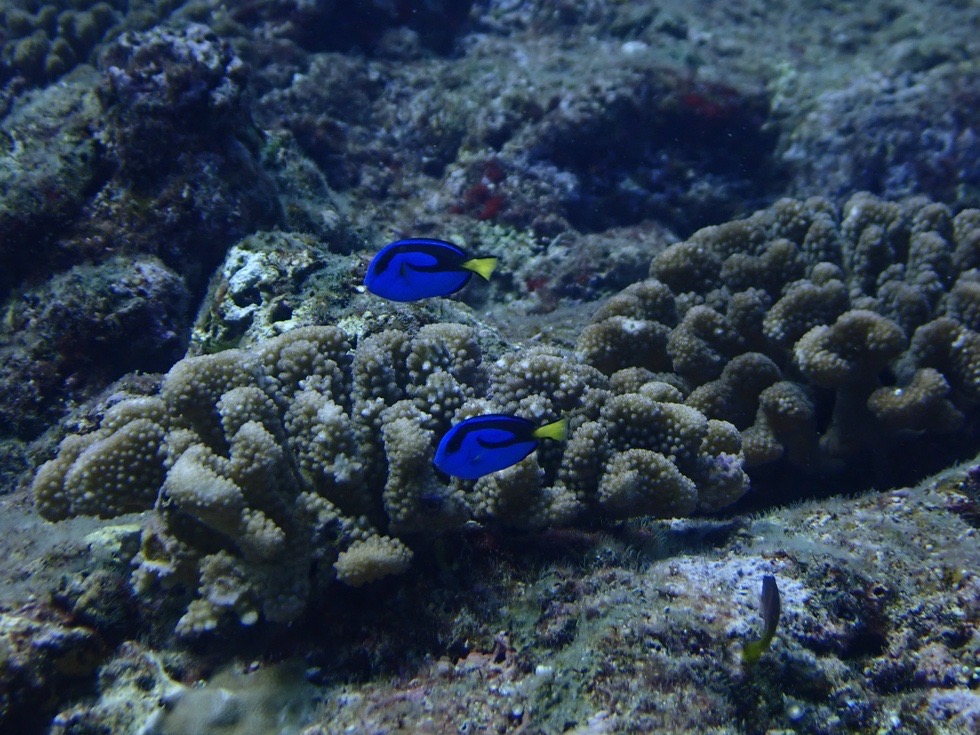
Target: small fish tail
[557, 430]
[753, 650]
[483, 267]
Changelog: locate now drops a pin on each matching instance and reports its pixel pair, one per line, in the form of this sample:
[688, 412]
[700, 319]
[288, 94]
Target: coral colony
[307, 448]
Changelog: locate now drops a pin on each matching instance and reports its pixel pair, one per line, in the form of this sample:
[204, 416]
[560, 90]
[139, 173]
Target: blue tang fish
[484, 444]
[420, 268]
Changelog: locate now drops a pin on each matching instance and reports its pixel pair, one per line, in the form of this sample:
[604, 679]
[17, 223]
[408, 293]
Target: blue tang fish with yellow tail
[484, 444]
[420, 268]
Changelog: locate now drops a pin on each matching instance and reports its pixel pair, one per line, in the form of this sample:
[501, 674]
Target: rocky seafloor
[182, 179]
[635, 628]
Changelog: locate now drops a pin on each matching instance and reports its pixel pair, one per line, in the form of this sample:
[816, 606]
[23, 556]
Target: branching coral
[816, 334]
[274, 471]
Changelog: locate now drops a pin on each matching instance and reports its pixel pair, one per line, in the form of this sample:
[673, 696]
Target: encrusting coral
[819, 335]
[274, 471]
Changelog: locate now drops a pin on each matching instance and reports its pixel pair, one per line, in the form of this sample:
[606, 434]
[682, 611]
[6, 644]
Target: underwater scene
[489, 366]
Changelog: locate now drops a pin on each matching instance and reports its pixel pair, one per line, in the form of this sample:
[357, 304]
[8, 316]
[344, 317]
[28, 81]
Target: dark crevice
[688, 157]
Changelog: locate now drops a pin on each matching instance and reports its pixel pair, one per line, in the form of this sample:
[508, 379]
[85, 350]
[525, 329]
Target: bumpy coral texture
[273, 471]
[820, 335]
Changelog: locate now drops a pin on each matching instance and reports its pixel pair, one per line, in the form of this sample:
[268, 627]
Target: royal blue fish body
[419, 268]
[484, 444]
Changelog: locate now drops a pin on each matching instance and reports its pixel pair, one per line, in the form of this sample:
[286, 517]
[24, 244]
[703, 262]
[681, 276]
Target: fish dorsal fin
[557, 430]
[483, 267]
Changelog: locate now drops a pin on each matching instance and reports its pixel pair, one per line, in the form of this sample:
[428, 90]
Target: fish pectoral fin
[483, 267]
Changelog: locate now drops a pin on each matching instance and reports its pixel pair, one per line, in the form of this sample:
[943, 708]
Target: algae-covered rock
[42, 657]
[81, 329]
[140, 695]
[273, 699]
[268, 284]
[50, 162]
[119, 192]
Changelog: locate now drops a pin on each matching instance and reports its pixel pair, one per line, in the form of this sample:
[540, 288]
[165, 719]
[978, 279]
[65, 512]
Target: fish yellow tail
[753, 650]
[483, 267]
[557, 430]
